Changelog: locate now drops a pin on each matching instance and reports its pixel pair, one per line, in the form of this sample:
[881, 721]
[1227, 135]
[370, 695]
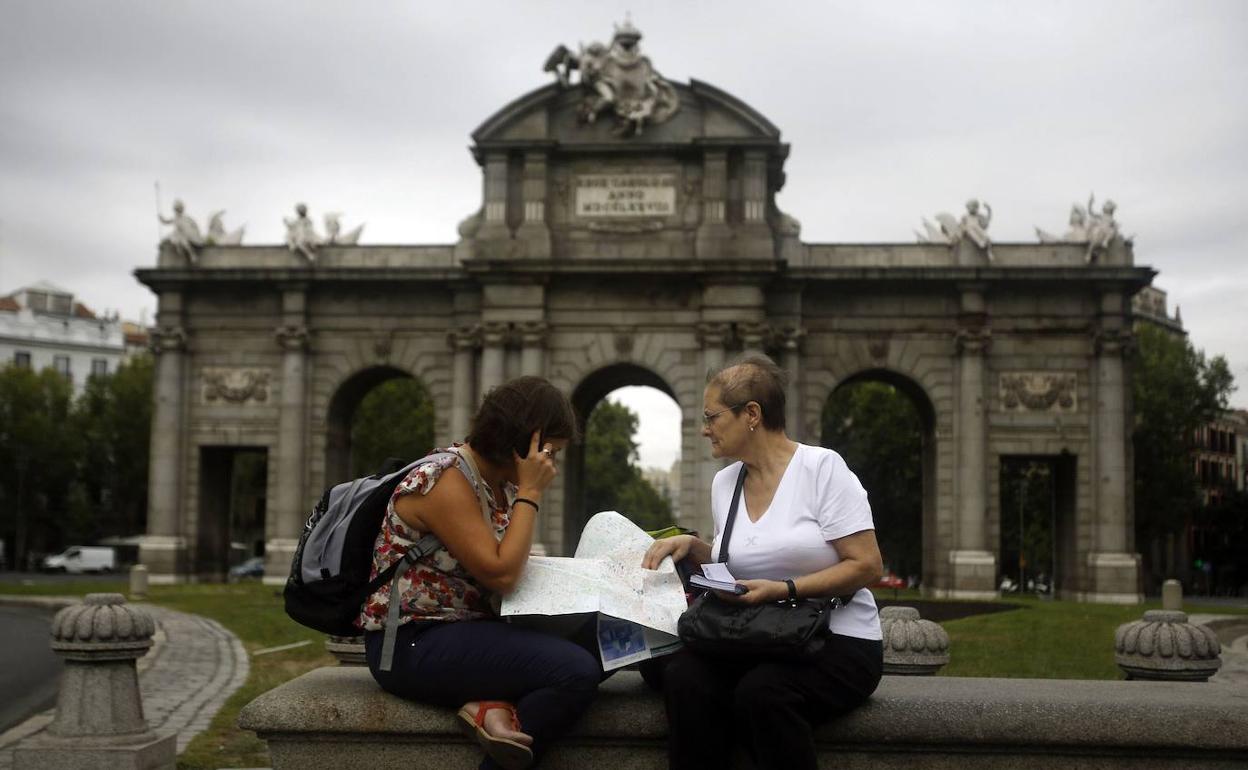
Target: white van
[83, 558]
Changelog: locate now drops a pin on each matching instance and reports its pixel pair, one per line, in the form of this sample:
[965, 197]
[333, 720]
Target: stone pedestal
[138, 582]
[166, 558]
[349, 650]
[971, 575]
[1165, 646]
[1115, 578]
[99, 713]
[912, 646]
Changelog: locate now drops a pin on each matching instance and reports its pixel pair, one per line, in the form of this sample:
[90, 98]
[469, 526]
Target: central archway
[585, 397]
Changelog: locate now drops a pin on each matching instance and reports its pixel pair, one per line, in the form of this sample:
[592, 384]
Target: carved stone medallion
[235, 385]
[1039, 391]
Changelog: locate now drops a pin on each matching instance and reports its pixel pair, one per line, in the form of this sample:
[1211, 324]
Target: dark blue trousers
[550, 680]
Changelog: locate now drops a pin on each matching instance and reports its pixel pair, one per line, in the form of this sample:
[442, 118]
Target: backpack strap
[423, 547]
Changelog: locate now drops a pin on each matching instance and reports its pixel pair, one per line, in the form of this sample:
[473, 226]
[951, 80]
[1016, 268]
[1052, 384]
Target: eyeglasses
[707, 419]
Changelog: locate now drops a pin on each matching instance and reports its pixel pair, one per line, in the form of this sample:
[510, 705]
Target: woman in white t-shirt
[803, 529]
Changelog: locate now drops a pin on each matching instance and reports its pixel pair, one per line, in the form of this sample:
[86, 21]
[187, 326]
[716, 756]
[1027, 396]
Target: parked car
[82, 558]
[890, 581]
[253, 567]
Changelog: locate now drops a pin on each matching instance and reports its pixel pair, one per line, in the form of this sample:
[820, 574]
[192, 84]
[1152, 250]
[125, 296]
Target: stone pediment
[550, 116]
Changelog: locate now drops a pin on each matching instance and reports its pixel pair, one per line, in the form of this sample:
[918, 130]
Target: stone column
[972, 565]
[464, 342]
[289, 508]
[791, 361]
[533, 348]
[493, 361]
[695, 513]
[1114, 569]
[533, 231]
[163, 548]
[99, 711]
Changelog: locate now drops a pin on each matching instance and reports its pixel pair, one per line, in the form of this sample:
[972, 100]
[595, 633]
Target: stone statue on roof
[1088, 226]
[334, 234]
[973, 226]
[617, 78]
[185, 237]
[301, 236]
[218, 235]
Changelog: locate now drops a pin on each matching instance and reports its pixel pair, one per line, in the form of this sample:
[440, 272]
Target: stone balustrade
[337, 717]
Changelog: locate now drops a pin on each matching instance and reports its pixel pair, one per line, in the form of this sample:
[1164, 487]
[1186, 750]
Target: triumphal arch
[629, 234]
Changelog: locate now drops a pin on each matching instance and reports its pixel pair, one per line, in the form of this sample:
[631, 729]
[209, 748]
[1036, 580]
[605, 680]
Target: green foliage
[73, 469]
[877, 429]
[1175, 391]
[395, 419]
[38, 457]
[612, 479]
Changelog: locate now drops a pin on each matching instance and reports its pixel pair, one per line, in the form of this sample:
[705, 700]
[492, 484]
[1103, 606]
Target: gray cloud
[894, 111]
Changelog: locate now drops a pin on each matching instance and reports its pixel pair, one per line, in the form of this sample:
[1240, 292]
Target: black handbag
[786, 630]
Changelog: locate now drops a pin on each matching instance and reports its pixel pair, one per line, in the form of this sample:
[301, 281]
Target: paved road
[29, 670]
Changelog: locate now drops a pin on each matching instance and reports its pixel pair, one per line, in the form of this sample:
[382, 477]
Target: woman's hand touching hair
[535, 471]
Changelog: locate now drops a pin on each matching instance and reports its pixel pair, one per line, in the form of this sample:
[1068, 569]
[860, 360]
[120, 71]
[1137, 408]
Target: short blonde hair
[756, 378]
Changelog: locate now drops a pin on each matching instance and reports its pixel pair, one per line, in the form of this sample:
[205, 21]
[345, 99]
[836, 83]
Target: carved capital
[973, 341]
[754, 334]
[235, 386]
[465, 338]
[1112, 342]
[495, 335]
[1038, 391]
[533, 334]
[714, 335]
[292, 337]
[165, 339]
[789, 338]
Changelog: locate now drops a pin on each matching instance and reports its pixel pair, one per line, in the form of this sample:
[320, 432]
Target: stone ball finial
[912, 646]
[103, 627]
[1165, 646]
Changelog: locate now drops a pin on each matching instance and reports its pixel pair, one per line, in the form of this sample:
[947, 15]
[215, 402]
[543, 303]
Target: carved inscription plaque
[1038, 391]
[625, 195]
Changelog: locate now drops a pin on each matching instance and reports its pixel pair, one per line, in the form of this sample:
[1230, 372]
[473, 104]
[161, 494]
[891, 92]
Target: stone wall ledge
[338, 717]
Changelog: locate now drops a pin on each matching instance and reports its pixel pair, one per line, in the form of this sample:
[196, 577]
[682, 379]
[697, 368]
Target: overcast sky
[894, 111]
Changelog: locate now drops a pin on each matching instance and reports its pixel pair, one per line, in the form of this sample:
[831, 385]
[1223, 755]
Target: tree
[38, 457]
[395, 419]
[612, 479]
[1175, 391]
[113, 418]
[877, 429]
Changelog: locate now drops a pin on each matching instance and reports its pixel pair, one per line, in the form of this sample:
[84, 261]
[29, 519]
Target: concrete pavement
[194, 665]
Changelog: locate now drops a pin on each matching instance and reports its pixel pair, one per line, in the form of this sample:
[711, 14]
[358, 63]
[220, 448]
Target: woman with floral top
[516, 689]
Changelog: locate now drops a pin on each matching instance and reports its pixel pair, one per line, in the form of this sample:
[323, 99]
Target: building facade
[43, 326]
[613, 248]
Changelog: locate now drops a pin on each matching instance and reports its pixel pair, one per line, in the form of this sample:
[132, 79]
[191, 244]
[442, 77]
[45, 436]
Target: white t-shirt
[819, 499]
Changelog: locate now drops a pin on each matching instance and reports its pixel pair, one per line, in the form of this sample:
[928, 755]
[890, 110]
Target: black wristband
[792, 589]
[519, 500]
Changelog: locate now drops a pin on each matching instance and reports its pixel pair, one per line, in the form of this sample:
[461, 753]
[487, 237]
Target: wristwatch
[792, 590]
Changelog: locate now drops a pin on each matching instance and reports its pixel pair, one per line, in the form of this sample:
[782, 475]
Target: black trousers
[769, 708]
[550, 680]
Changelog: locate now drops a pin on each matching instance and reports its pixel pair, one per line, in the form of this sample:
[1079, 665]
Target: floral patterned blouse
[436, 587]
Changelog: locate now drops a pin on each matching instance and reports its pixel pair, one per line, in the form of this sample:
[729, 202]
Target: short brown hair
[756, 378]
[511, 412]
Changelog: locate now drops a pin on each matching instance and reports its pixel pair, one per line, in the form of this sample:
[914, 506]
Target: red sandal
[512, 755]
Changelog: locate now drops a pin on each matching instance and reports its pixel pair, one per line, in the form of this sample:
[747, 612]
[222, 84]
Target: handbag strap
[732, 515]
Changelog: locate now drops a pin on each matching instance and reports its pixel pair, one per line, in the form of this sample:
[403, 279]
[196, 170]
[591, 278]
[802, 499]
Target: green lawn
[1040, 639]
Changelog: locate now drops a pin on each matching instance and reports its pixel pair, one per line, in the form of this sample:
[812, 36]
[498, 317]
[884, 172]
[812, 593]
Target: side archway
[883, 423]
[342, 450]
